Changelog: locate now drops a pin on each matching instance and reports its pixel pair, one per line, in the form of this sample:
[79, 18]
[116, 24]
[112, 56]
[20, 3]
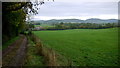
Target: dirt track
[15, 54]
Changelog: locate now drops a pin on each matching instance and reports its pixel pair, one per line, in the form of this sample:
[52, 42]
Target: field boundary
[51, 57]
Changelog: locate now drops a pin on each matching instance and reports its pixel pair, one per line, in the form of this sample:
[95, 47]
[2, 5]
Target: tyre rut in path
[19, 54]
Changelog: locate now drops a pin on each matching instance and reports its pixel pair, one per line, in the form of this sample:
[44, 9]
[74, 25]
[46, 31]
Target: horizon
[80, 18]
[75, 18]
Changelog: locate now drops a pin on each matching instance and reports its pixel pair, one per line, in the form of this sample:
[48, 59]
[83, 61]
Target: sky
[78, 9]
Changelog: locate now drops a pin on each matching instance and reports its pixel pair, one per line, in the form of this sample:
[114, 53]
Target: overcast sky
[78, 9]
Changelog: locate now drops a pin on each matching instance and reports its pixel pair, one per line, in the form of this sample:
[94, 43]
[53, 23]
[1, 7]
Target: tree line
[63, 26]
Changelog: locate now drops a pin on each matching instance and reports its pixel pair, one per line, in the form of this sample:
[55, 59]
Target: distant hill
[92, 20]
[95, 20]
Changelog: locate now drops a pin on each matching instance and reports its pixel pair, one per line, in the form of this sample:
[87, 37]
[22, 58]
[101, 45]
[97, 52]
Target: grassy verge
[33, 58]
[52, 58]
[4, 46]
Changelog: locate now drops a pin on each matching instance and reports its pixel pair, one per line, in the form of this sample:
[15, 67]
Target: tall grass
[32, 56]
[48, 54]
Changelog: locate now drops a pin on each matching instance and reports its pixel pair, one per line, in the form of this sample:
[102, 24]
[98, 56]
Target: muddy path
[15, 54]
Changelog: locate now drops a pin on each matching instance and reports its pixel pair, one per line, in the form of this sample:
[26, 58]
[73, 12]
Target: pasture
[44, 25]
[84, 47]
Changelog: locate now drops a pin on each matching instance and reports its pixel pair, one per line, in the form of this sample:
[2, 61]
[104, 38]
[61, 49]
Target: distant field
[44, 25]
[84, 47]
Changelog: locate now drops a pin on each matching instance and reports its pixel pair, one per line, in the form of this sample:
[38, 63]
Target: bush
[29, 32]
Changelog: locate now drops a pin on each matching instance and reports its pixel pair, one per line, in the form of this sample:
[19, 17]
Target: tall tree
[14, 17]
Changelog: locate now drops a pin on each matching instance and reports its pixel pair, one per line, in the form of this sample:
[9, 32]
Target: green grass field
[84, 47]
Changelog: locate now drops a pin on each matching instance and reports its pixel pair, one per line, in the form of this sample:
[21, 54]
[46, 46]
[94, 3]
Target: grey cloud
[78, 9]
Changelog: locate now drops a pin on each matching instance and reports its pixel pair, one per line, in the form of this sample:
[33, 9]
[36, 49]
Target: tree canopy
[14, 17]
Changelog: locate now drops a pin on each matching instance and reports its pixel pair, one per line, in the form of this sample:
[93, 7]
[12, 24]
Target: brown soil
[15, 54]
